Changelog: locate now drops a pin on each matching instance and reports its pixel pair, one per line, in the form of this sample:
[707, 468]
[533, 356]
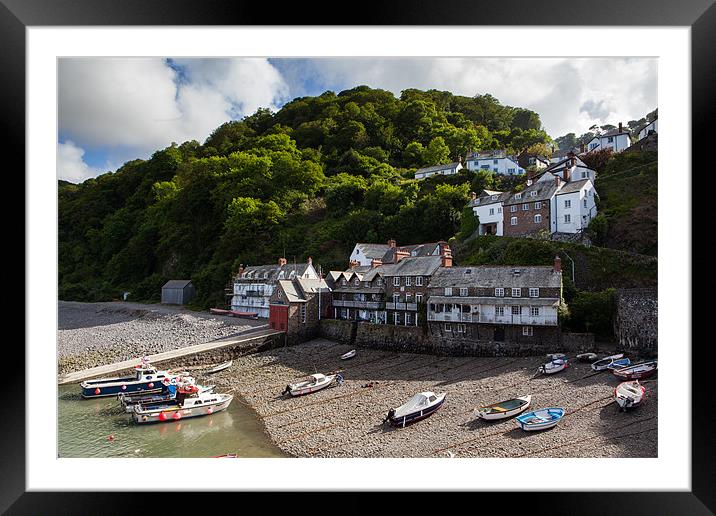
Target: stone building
[358, 296]
[636, 322]
[297, 305]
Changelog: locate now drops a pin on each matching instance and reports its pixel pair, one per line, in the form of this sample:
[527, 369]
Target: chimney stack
[583, 147]
[400, 253]
[282, 261]
[241, 270]
[391, 243]
[557, 180]
[353, 264]
[557, 264]
[620, 127]
[309, 261]
[473, 195]
[376, 262]
[445, 254]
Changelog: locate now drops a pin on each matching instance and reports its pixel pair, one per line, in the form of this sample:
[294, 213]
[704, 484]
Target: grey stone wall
[578, 342]
[636, 320]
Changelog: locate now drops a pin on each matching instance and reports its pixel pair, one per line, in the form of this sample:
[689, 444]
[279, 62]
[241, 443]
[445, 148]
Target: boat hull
[627, 399]
[168, 414]
[531, 421]
[414, 417]
[630, 373]
[101, 390]
[484, 413]
[309, 390]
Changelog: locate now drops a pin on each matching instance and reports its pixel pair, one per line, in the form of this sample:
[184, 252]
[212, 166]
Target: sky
[112, 110]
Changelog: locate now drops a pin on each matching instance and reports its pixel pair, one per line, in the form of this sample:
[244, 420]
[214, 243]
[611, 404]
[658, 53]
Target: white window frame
[418, 298]
[538, 205]
[448, 327]
[448, 291]
[418, 281]
[303, 313]
[513, 221]
[407, 318]
[534, 292]
[518, 195]
[516, 292]
[533, 193]
[500, 311]
[516, 310]
[463, 291]
[396, 316]
[568, 219]
[408, 281]
[538, 218]
[567, 203]
[527, 331]
[526, 206]
[396, 281]
[534, 311]
[492, 211]
[499, 292]
[513, 208]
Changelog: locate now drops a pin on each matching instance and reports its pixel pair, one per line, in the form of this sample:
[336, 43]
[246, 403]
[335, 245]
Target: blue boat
[618, 364]
[418, 407]
[146, 379]
[540, 419]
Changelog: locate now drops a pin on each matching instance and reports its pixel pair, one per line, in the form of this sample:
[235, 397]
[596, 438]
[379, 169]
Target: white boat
[220, 367]
[186, 405]
[556, 356]
[418, 407]
[313, 383]
[504, 409]
[602, 364]
[629, 394]
[128, 402]
[348, 355]
[554, 366]
[587, 357]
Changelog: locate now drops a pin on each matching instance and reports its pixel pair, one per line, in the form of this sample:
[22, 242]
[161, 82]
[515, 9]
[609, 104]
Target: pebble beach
[346, 421]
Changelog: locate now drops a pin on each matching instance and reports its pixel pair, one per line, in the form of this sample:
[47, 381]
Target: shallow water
[84, 427]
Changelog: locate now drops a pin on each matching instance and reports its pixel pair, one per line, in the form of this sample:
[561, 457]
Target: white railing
[401, 306]
[374, 305]
[494, 319]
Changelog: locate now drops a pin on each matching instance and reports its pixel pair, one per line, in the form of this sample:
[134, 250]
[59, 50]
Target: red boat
[219, 311]
[636, 371]
[250, 315]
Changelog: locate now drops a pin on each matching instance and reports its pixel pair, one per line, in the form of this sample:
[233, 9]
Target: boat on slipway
[629, 394]
[540, 419]
[504, 409]
[418, 407]
[188, 403]
[146, 379]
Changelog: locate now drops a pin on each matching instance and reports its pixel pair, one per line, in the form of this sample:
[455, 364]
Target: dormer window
[356, 282]
[518, 195]
[533, 193]
[494, 197]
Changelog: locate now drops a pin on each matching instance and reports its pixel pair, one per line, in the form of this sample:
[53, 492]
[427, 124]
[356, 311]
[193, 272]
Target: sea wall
[636, 320]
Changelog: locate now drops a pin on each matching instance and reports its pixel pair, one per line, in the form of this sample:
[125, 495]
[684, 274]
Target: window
[448, 327]
[513, 208]
[494, 162]
[584, 174]
[538, 206]
[518, 195]
[527, 331]
[396, 298]
[525, 207]
[499, 209]
[408, 319]
[465, 309]
[567, 219]
[515, 310]
[380, 282]
[538, 218]
[357, 282]
[344, 282]
[567, 204]
[448, 291]
[396, 281]
[499, 292]
[610, 139]
[463, 291]
[585, 202]
[510, 170]
[418, 298]
[492, 211]
[408, 297]
[534, 311]
[303, 313]
[513, 221]
[516, 292]
[494, 197]
[500, 310]
[534, 292]
[418, 281]
[461, 328]
[396, 318]
[408, 281]
[485, 167]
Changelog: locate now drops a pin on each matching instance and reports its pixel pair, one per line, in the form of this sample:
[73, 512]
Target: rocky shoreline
[346, 421]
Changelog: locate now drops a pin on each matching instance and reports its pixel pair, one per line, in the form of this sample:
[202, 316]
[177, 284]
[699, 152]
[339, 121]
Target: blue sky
[112, 110]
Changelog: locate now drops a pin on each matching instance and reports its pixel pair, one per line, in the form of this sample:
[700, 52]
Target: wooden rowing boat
[220, 367]
[504, 409]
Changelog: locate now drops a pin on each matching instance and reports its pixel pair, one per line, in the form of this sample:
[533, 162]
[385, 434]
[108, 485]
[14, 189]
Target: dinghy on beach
[587, 357]
[618, 364]
[418, 407]
[602, 364]
[504, 409]
[554, 366]
[636, 371]
[313, 383]
[629, 394]
[348, 355]
[540, 419]
[220, 367]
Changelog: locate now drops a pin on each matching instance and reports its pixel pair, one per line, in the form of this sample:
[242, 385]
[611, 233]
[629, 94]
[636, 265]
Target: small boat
[129, 401]
[540, 419]
[189, 402]
[602, 364]
[618, 364]
[629, 394]
[313, 383]
[220, 367]
[636, 371]
[219, 311]
[554, 366]
[418, 407]
[248, 315]
[504, 409]
[146, 379]
[348, 355]
[587, 357]
[556, 356]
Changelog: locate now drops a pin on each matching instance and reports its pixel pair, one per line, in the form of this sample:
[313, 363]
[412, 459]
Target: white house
[570, 169]
[445, 170]
[488, 209]
[652, 127]
[573, 206]
[254, 285]
[617, 140]
[494, 161]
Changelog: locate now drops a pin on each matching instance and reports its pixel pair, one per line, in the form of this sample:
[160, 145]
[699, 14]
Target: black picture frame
[700, 15]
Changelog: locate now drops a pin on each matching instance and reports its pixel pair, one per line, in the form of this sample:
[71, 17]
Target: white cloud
[624, 88]
[70, 165]
[144, 103]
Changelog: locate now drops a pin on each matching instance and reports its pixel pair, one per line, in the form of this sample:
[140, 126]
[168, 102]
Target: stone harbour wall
[636, 320]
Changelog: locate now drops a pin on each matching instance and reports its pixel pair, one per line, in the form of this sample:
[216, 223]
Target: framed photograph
[427, 251]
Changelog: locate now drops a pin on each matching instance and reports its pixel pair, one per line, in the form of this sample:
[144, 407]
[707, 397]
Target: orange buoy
[209, 410]
[97, 391]
[177, 415]
[151, 385]
[124, 387]
[111, 437]
[162, 416]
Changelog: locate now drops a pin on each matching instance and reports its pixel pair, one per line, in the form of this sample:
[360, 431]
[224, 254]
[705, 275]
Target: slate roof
[272, 271]
[573, 186]
[296, 289]
[614, 132]
[412, 266]
[373, 250]
[486, 198]
[176, 283]
[488, 154]
[491, 276]
[435, 168]
[544, 191]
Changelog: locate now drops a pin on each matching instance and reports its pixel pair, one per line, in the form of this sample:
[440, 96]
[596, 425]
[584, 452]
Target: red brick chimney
[556, 180]
[473, 195]
[401, 253]
[376, 262]
[282, 261]
[309, 261]
[353, 264]
[445, 254]
[620, 127]
[557, 264]
[391, 243]
[241, 270]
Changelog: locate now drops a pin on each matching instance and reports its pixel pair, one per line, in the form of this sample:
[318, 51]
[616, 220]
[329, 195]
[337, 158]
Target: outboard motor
[287, 389]
[391, 413]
